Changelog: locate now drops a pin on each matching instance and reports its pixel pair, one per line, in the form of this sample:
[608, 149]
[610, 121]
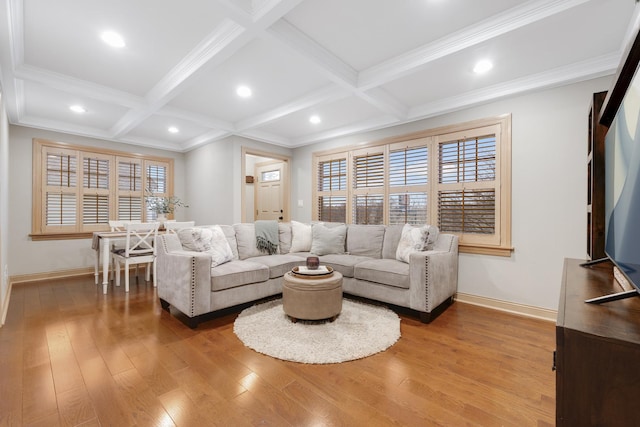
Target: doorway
[265, 186]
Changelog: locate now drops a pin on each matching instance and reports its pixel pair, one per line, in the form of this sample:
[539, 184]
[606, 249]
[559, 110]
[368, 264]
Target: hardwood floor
[70, 355]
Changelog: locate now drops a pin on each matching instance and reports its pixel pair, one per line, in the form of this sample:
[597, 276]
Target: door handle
[280, 218]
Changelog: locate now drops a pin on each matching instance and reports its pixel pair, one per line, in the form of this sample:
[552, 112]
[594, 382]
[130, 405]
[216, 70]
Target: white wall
[214, 179]
[4, 209]
[27, 256]
[549, 186]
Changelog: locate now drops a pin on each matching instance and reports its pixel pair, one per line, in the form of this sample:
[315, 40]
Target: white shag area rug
[359, 331]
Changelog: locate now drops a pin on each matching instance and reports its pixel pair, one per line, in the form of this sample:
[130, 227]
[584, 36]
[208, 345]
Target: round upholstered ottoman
[312, 298]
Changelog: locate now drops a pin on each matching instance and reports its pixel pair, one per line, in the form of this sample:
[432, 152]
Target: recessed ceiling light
[315, 119]
[173, 129]
[78, 109]
[112, 38]
[243, 91]
[482, 66]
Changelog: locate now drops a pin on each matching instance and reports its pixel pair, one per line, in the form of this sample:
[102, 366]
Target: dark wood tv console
[598, 351]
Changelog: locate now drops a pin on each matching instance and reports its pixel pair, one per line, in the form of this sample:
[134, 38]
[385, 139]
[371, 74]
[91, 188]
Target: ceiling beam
[495, 26]
[321, 96]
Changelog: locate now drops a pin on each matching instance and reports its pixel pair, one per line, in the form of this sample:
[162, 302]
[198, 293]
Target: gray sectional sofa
[427, 283]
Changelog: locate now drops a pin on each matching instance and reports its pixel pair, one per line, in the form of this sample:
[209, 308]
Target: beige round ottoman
[312, 298]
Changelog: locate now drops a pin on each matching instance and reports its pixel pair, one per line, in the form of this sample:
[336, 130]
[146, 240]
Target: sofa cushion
[237, 273]
[365, 240]
[301, 237]
[211, 240]
[230, 234]
[414, 239]
[388, 272]
[327, 240]
[284, 234]
[342, 263]
[391, 239]
[279, 264]
[246, 238]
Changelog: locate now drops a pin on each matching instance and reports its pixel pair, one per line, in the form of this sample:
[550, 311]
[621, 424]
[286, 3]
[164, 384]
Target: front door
[269, 198]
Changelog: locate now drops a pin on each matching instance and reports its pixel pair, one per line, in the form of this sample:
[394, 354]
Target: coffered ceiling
[357, 65]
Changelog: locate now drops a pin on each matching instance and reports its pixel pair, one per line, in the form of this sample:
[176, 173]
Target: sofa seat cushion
[343, 263]
[384, 271]
[237, 273]
[278, 264]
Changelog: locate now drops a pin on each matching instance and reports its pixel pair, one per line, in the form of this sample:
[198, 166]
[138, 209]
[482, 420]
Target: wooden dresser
[598, 351]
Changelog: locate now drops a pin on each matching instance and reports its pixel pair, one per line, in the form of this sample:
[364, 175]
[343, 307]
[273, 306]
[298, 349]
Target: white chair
[116, 225]
[139, 248]
[174, 226]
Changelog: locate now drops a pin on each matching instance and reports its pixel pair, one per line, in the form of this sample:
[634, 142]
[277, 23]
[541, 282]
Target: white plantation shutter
[96, 186]
[368, 186]
[408, 183]
[60, 209]
[467, 211]
[95, 209]
[130, 189]
[156, 183]
[129, 208]
[332, 188]
[61, 189]
[458, 178]
[79, 189]
[468, 188]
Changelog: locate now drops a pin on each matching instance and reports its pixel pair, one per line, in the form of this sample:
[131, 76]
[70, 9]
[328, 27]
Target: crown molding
[499, 24]
[79, 87]
[573, 73]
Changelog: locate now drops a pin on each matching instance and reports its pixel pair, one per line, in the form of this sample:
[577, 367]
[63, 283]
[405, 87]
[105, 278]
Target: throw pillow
[211, 240]
[195, 238]
[301, 237]
[220, 250]
[327, 240]
[413, 239]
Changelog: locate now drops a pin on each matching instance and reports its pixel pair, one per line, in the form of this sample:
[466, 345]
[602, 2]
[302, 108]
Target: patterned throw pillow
[414, 239]
[211, 240]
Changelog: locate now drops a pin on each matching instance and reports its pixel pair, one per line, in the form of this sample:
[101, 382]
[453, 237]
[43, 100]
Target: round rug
[359, 331]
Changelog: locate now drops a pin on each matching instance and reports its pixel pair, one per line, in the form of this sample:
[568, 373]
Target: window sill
[60, 236]
[485, 250]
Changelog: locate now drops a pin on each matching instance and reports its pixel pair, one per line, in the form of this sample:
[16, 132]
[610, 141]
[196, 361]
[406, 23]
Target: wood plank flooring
[71, 356]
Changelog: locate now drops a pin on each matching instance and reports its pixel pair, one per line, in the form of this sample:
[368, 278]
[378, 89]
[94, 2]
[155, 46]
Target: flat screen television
[622, 174]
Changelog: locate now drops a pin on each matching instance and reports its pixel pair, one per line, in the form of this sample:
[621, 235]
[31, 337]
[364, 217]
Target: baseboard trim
[5, 307]
[60, 274]
[508, 307]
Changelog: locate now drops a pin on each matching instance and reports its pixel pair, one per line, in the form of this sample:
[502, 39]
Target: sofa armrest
[184, 280]
[434, 275]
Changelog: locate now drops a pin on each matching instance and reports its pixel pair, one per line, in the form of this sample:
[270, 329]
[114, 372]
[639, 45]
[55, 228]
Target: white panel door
[269, 190]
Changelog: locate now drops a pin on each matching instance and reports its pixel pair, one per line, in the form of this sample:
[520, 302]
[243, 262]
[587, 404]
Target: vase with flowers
[163, 205]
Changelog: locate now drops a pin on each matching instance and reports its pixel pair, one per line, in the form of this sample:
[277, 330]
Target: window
[332, 189]
[368, 186]
[468, 190]
[408, 179]
[458, 178]
[81, 188]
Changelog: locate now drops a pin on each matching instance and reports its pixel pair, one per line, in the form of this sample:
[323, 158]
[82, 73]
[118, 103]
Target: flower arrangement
[163, 205]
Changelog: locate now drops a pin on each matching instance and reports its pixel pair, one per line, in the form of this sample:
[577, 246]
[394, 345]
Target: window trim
[38, 229]
[502, 124]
